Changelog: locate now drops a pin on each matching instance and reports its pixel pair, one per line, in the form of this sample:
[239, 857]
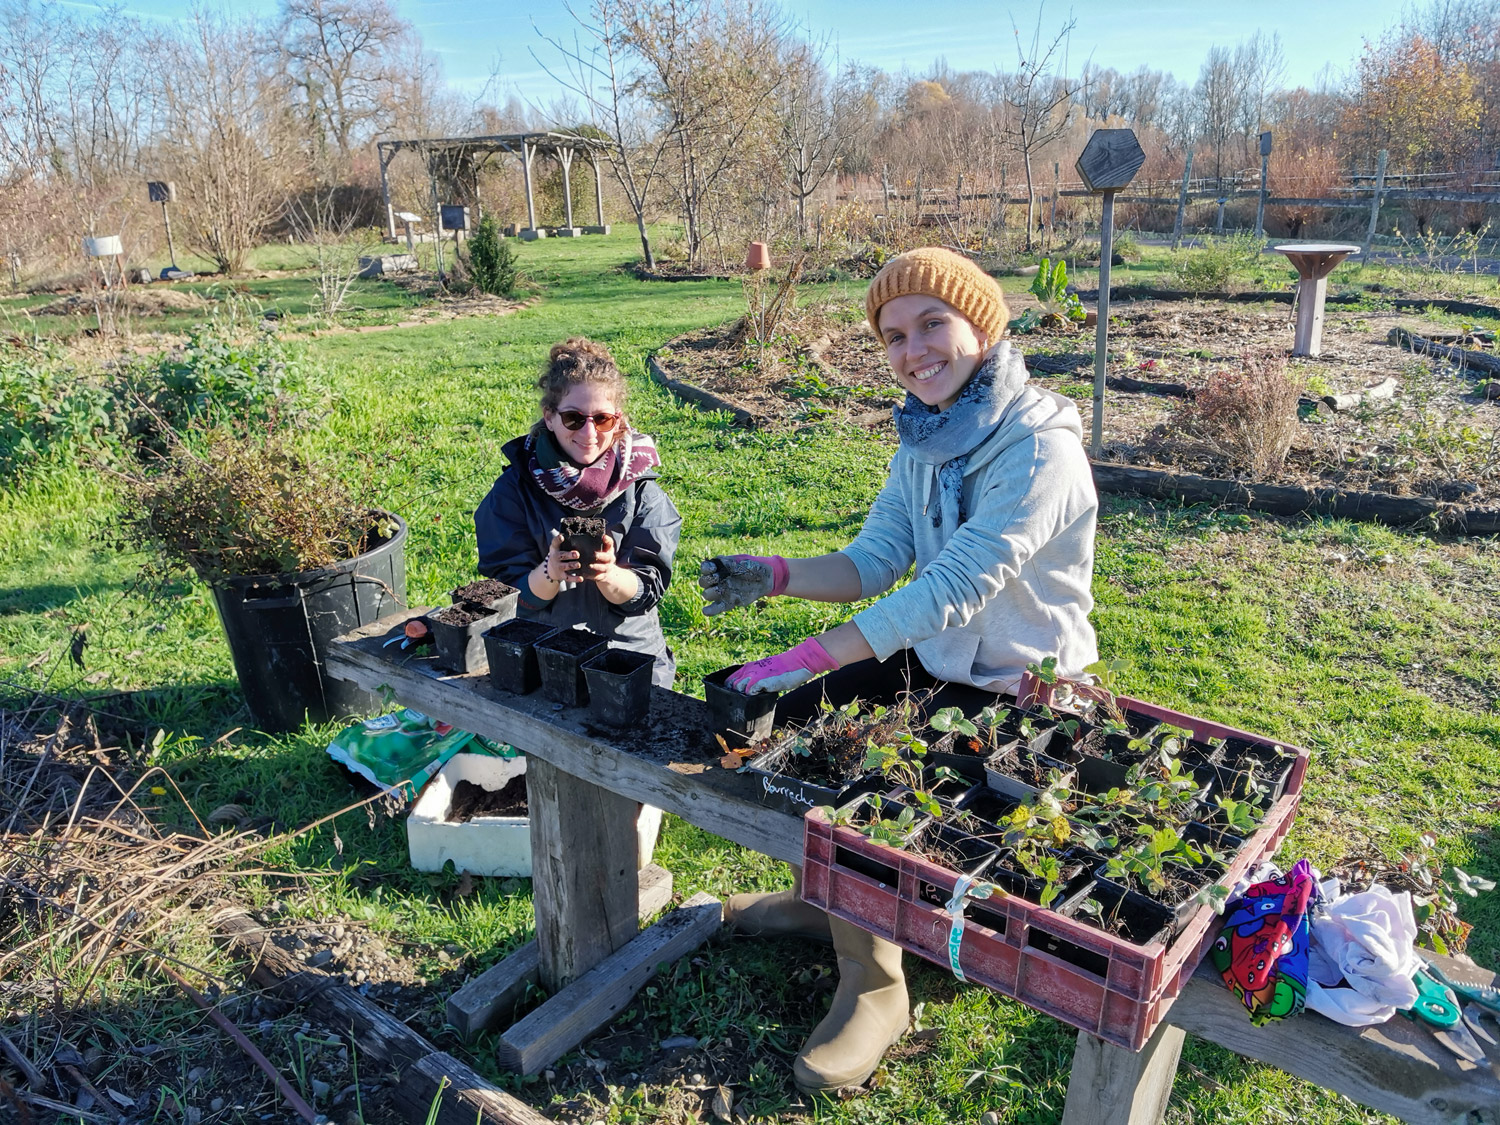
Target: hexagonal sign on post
[1110, 160]
[1108, 163]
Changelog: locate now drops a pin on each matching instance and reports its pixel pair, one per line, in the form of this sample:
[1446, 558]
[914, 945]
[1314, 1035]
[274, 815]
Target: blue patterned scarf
[946, 438]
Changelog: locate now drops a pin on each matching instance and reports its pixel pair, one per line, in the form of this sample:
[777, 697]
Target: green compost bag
[405, 749]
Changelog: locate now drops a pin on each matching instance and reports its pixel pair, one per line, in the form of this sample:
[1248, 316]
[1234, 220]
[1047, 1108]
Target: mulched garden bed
[1437, 441]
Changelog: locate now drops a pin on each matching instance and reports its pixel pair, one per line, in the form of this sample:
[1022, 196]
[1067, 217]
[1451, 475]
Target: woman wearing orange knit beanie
[990, 498]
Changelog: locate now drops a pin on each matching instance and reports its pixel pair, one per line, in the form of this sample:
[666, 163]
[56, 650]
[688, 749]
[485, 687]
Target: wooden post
[958, 202]
[598, 190]
[1101, 329]
[437, 219]
[1265, 169]
[1219, 222]
[565, 158]
[583, 864]
[1112, 1086]
[166, 219]
[1052, 218]
[526, 154]
[1374, 206]
[885, 188]
[1187, 172]
[385, 191]
[916, 215]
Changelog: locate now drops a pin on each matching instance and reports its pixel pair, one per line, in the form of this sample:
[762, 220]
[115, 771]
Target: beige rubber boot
[777, 914]
[870, 1012]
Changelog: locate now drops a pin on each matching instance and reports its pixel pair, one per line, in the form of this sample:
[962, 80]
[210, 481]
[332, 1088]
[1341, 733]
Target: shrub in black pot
[292, 558]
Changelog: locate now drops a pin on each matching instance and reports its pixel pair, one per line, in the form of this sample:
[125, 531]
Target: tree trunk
[1030, 197]
[640, 222]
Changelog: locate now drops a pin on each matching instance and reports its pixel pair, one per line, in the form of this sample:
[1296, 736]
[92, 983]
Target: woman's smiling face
[586, 444]
[932, 348]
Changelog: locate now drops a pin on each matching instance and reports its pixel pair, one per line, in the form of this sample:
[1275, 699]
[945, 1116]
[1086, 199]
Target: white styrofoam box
[487, 845]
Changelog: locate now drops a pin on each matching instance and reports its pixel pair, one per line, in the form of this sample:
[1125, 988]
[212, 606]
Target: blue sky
[1169, 35]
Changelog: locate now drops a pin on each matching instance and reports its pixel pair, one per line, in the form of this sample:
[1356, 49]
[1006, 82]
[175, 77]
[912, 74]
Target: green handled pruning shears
[1437, 1005]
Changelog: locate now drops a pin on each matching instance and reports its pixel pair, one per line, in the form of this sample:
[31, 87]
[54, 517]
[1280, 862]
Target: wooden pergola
[462, 159]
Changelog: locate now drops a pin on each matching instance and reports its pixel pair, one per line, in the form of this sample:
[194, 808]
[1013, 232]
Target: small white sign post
[1108, 163]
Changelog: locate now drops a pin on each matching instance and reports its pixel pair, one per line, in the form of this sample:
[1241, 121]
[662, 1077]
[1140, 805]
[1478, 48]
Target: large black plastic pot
[279, 627]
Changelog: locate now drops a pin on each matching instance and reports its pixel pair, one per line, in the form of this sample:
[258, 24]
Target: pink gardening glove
[731, 581]
[785, 670]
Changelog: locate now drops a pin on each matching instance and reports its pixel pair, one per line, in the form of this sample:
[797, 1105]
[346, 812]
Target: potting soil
[471, 800]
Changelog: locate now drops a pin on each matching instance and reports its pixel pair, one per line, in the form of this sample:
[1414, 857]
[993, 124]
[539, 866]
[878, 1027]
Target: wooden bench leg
[1112, 1086]
[583, 872]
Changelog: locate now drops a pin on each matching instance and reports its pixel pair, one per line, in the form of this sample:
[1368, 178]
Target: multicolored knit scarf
[589, 488]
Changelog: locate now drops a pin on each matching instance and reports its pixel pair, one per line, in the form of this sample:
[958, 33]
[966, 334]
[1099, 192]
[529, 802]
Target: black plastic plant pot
[1100, 775]
[1259, 763]
[458, 636]
[1181, 906]
[1008, 874]
[1021, 773]
[561, 658]
[619, 683]
[489, 593]
[780, 791]
[1136, 918]
[511, 649]
[741, 719]
[584, 534]
[955, 849]
[1214, 836]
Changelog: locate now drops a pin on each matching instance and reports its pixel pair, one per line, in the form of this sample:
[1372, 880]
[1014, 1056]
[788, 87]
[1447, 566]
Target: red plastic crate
[1088, 978]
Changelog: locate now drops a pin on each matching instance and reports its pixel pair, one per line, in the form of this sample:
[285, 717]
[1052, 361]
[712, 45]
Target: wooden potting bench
[591, 955]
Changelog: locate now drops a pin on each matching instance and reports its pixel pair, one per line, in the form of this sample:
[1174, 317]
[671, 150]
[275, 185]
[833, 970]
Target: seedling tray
[1065, 966]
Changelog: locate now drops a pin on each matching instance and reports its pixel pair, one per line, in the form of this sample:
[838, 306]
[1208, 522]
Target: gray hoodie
[1012, 584]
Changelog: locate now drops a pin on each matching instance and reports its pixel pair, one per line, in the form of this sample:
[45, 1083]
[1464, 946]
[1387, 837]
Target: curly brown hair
[579, 360]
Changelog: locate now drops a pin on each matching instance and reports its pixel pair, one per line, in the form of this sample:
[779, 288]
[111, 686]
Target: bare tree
[1041, 100]
[813, 114]
[340, 54]
[228, 135]
[597, 66]
[1218, 95]
[713, 79]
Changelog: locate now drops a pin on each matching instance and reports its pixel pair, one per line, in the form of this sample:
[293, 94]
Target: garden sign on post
[1108, 163]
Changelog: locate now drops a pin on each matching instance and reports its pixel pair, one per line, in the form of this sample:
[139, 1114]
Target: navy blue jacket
[514, 525]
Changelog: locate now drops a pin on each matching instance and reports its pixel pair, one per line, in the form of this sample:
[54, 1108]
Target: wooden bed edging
[1289, 500]
[1261, 296]
[701, 398]
[386, 1045]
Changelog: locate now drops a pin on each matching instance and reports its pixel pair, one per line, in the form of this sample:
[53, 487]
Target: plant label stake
[1108, 163]
[164, 192]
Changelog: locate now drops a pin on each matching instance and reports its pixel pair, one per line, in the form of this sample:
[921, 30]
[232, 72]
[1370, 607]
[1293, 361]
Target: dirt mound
[140, 301]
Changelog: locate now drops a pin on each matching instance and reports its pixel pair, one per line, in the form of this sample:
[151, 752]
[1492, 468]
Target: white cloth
[1012, 586]
[1363, 956]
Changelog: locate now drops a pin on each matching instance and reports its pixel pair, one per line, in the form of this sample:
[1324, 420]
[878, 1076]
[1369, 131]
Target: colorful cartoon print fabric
[1262, 950]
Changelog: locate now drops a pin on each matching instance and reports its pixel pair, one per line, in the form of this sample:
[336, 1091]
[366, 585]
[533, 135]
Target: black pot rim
[296, 578]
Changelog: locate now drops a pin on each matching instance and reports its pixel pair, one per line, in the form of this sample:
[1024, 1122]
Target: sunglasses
[573, 420]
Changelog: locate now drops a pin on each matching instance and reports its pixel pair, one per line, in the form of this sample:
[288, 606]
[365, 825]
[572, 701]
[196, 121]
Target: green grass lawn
[1373, 648]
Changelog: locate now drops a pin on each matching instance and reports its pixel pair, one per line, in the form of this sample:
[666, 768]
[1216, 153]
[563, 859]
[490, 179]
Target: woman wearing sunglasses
[582, 458]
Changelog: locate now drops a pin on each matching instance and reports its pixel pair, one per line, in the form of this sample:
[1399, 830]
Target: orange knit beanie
[949, 277]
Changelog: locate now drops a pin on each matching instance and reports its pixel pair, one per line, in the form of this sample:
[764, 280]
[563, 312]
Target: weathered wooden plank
[678, 773]
[583, 871]
[1112, 1086]
[1396, 1067]
[386, 1045]
[482, 1001]
[595, 998]
[1468, 360]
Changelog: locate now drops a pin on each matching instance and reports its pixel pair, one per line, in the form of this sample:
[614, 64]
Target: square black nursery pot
[457, 633]
[511, 648]
[584, 534]
[491, 594]
[1136, 918]
[740, 719]
[561, 658]
[619, 687]
[781, 791]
